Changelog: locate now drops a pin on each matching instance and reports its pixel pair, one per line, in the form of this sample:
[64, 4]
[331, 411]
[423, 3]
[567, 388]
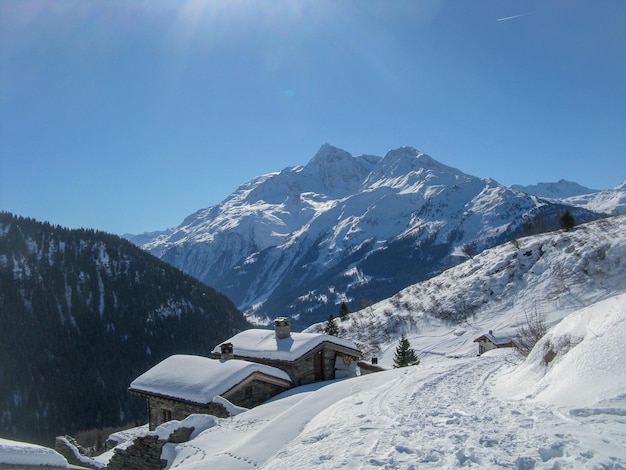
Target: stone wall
[72, 451]
[254, 393]
[302, 371]
[145, 452]
[158, 408]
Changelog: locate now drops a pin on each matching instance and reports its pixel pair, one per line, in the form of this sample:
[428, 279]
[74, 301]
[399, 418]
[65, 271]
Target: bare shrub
[469, 249]
[530, 332]
[93, 441]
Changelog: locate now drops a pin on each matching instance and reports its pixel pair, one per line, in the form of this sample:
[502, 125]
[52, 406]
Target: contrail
[513, 17]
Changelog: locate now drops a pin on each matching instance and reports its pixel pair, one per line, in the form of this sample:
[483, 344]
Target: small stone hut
[305, 357]
[182, 385]
[489, 341]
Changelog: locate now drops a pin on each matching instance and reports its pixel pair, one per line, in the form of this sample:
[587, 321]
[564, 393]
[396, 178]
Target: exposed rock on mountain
[342, 228]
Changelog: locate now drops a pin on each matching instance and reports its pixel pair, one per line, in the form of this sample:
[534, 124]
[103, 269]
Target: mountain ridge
[559, 190]
[342, 228]
[571, 269]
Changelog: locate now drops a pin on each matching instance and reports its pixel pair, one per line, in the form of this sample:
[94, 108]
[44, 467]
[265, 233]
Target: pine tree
[405, 355]
[343, 311]
[567, 220]
[331, 327]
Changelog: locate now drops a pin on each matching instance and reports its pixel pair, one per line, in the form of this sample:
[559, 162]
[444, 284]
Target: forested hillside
[82, 313]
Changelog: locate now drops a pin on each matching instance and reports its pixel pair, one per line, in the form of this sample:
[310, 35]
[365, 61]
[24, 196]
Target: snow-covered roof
[22, 453]
[263, 344]
[198, 379]
[497, 340]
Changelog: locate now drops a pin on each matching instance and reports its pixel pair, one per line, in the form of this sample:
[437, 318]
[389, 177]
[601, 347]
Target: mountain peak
[408, 160]
[338, 172]
[414, 158]
[328, 154]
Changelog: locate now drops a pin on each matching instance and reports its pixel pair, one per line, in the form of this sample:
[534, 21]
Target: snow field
[492, 411]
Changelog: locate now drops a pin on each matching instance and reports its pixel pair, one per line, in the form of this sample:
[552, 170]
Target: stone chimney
[282, 327]
[227, 351]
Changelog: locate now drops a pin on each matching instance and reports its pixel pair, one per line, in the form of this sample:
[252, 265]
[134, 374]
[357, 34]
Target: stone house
[305, 357]
[489, 341]
[182, 385]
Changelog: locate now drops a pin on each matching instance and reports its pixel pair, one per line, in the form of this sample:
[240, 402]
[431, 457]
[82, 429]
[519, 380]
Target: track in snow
[449, 420]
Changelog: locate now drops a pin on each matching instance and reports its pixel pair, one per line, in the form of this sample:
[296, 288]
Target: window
[166, 415]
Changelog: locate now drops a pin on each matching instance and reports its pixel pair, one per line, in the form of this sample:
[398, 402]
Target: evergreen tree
[405, 355]
[567, 220]
[331, 327]
[343, 311]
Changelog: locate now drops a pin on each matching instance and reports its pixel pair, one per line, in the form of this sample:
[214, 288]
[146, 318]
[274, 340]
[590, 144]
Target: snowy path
[449, 420]
[442, 414]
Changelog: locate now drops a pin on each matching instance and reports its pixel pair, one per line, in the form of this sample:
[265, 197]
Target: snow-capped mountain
[344, 228]
[561, 407]
[559, 190]
[611, 201]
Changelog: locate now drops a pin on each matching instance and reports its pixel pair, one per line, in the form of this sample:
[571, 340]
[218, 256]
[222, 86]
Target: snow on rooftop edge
[22, 453]
[263, 344]
[198, 379]
[497, 340]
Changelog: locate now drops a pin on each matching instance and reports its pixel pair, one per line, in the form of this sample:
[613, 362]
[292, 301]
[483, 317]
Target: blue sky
[127, 116]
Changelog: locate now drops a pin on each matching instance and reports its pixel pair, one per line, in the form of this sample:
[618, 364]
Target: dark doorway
[318, 366]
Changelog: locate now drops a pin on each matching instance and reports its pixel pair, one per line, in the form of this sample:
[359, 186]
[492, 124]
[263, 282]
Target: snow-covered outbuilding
[182, 385]
[305, 357]
[489, 341]
[370, 367]
[16, 455]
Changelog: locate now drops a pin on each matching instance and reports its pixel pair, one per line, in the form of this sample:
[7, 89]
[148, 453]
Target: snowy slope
[484, 412]
[562, 407]
[611, 201]
[342, 228]
[553, 274]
